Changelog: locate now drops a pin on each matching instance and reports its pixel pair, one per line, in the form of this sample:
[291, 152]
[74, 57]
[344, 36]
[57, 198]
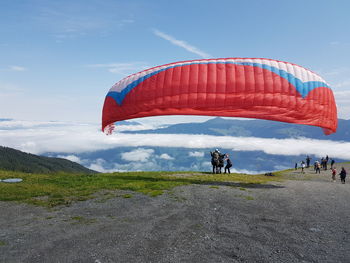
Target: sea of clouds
[70, 139]
[43, 137]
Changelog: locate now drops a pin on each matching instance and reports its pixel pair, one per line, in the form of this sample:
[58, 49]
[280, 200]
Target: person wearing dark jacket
[228, 164]
[308, 159]
[342, 175]
[221, 161]
[332, 163]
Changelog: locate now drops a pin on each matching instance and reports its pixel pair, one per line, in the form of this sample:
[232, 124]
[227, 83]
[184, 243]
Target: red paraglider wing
[234, 87]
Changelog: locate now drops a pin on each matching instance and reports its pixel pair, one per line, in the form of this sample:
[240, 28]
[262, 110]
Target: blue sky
[58, 59]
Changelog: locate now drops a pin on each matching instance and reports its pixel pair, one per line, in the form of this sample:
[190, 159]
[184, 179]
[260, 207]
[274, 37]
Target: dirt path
[292, 221]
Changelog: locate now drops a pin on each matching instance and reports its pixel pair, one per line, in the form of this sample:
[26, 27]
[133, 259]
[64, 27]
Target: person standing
[332, 163]
[318, 167]
[324, 163]
[221, 161]
[334, 172]
[215, 160]
[342, 175]
[228, 164]
[308, 159]
[302, 166]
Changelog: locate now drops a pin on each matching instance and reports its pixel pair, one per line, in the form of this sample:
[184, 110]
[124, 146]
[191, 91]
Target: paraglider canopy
[232, 87]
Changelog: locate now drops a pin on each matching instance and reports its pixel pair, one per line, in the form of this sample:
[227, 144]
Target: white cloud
[78, 138]
[344, 111]
[343, 84]
[339, 44]
[17, 68]
[245, 171]
[98, 165]
[16, 124]
[166, 156]
[196, 154]
[342, 96]
[71, 157]
[73, 20]
[138, 155]
[160, 121]
[340, 84]
[336, 72]
[150, 165]
[99, 168]
[13, 68]
[124, 69]
[334, 43]
[102, 166]
[137, 127]
[181, 43]
[280, 167]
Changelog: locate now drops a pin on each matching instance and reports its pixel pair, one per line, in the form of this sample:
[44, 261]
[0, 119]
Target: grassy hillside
[14, 160]
[62, 188]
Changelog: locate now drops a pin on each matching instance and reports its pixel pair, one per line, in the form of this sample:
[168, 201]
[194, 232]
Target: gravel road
[291, 221]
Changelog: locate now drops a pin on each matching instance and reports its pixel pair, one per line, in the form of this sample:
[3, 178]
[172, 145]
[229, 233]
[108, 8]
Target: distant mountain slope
[255, 128]
[14, 160]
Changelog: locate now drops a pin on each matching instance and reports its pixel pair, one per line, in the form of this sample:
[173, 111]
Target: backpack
[215, 156]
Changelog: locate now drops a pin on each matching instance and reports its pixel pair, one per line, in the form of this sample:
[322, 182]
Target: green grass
[3, 243]
[51, 190]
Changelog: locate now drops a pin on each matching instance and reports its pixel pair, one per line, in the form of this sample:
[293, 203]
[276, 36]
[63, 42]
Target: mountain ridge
[254, 128]
[15, 160]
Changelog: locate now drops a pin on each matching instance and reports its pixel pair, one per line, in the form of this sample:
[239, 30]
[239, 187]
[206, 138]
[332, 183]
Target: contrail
[181, 43]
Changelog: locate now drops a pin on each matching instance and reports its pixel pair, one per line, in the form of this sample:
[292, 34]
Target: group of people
[322, 164]
[342, 174]
[218, 161]
[318, 165]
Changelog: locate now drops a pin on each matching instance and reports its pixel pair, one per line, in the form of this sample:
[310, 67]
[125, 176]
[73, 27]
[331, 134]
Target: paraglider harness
[217, 160]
